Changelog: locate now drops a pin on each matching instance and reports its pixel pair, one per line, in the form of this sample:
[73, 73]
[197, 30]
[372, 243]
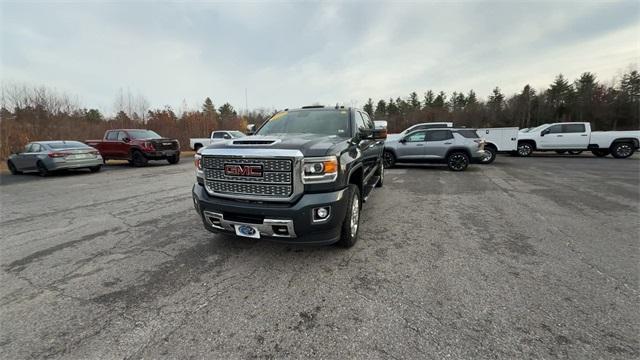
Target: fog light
[321, 213]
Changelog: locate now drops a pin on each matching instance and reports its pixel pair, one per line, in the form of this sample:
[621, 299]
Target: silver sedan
[47, 156]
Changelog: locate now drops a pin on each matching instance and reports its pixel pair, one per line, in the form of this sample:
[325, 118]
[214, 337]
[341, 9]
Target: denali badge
[243, 170]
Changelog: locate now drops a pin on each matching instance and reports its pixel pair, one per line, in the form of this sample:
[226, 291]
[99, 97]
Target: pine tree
[381, 110]
[368, 107]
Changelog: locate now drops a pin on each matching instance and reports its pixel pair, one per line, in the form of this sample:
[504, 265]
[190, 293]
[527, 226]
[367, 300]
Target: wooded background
[29, 114]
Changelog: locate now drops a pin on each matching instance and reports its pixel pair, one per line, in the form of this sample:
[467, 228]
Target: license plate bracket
[247, 231]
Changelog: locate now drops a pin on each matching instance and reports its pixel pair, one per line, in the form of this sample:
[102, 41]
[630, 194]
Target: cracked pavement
[526, 258]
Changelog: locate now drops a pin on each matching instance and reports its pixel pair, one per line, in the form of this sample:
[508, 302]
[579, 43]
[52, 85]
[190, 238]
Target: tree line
[607, 107]
[29, 114]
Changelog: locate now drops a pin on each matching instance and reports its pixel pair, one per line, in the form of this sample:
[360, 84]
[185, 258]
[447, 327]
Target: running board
[368, 188]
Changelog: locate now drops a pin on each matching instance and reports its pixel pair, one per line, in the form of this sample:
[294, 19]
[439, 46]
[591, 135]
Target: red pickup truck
[138, 146]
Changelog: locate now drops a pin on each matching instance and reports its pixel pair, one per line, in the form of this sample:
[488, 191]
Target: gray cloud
[291, 54]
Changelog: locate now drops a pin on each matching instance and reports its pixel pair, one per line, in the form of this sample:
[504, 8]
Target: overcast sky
[292, 54]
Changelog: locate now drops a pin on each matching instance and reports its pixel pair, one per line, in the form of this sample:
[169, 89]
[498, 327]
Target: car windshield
[143, 134]
[321, 122]
[236, 134]
[67, 145]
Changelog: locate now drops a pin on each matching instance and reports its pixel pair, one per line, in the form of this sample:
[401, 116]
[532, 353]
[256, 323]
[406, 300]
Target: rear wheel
[138, 159]
[457, 161]
[575, 152]
[600, 152]
[94, 169]
[525, 149]
[489, 155]
[174, 159]
[622, 150]
[42, 169]
[12, 168]
[351, 224]
[389, 159]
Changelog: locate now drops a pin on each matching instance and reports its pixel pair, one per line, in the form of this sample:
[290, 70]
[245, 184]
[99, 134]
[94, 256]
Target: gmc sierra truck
[301, 178]
[138, 146]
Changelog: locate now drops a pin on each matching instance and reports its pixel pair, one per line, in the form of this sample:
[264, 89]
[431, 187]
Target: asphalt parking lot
[525, 258]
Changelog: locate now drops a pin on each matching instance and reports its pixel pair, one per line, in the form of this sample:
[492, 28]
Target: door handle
[583, 135]
[447, 143]
[419, 144]
[558, 135]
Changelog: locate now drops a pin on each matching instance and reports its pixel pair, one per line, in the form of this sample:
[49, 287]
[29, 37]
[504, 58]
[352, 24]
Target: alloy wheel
[355, 216]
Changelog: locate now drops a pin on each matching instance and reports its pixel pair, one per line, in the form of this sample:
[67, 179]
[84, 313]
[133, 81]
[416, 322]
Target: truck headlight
[197, 159]
[319, 169]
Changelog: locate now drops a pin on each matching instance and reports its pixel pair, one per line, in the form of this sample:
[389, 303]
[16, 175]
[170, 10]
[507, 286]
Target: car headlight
[319, 170]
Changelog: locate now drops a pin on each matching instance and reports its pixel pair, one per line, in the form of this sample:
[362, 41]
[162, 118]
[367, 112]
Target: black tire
[138, 159]
[348, 237]
[42, 169]
[12, 168]
[525, 149]
[380, 174]
[95, 169]
[622, 150]
[600, 152]
[389, 159]
[490, 155]
[560, 152]
[575, 152]
[197, 147]
[174, 159]
[457, 161]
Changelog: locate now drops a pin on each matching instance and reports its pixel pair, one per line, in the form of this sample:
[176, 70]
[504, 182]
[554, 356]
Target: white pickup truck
[575, 137]
[197, 143]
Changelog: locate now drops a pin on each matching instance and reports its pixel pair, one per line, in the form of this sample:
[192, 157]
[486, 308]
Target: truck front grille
[275, 178]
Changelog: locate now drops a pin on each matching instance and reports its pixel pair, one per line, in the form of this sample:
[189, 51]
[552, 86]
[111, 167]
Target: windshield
[321, 122]
[143, 134]
[67, 145]
[236, 134]
[535, 128]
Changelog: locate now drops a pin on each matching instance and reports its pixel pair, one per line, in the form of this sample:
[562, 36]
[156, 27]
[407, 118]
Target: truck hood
[307, 144]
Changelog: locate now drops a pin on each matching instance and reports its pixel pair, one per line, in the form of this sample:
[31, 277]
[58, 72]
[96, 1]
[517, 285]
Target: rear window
[438, 135]
[469, 134]
[573, 128]
[67, 145]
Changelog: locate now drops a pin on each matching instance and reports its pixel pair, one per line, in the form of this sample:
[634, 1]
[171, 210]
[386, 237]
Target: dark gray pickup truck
[301, 178]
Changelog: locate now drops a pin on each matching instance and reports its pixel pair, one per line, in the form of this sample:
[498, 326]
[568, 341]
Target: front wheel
[457, 161]
[138, 159]
[12, 168]
[489, 155]
[95, 169]
[525, 149]
[351, 223]
[622, 150]
[174, 159]
[388, 159]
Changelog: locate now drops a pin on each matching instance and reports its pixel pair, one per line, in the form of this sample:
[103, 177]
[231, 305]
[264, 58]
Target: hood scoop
[255, 142]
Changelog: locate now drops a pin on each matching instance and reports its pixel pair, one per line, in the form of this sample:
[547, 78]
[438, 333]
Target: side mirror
[227, 136]
[126, 139]
[379, 134]
[544, 132]
[251, 129]
[403, 140]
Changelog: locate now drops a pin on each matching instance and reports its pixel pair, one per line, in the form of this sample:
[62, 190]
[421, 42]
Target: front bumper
[161, 154]
[221, 215]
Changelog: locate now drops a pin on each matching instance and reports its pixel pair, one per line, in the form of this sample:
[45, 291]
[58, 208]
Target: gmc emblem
[243, 170]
